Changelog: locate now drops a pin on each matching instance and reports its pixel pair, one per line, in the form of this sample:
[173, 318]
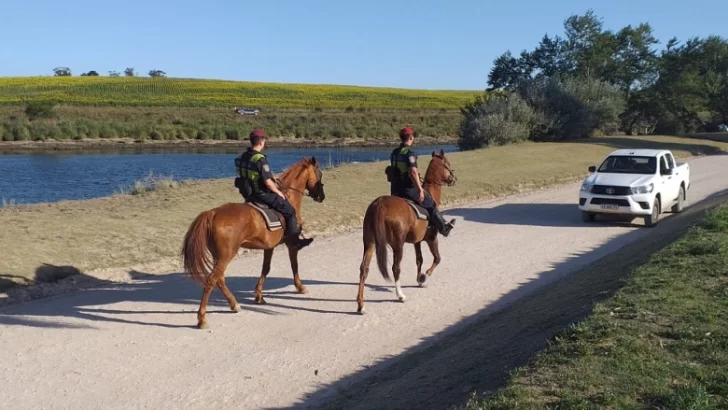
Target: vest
[248, 170]
[398, 161]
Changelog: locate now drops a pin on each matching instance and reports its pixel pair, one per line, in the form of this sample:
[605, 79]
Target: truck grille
[611, 201]
[611, 190]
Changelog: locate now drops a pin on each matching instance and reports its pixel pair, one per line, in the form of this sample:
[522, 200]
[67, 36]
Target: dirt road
[134, 346]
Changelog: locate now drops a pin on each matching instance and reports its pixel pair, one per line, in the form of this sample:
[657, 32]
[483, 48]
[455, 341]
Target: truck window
[663, 164]
[622, 164]
[670, 161]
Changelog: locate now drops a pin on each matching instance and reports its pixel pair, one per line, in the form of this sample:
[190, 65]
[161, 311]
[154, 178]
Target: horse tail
[380, 239]
[197, 261]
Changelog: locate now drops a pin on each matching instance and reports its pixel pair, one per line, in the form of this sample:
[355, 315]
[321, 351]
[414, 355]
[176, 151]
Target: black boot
[442, 226]
[293, 232]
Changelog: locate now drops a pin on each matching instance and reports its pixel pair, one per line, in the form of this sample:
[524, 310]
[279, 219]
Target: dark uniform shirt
[403, 158]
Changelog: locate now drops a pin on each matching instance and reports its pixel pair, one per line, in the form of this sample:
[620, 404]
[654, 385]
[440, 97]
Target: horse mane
[435, 162]
[294, 170]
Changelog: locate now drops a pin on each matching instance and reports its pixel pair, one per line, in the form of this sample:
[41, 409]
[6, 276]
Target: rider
[256, 183]
[405, 181]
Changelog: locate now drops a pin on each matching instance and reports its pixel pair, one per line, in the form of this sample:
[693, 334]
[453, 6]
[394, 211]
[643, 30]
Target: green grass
[660, 343]
[141, 91]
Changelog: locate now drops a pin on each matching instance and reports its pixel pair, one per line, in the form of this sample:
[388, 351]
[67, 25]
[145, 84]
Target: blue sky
[398, 43]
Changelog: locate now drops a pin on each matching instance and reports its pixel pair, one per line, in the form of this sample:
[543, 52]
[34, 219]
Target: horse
[390, 220]
[225, 229]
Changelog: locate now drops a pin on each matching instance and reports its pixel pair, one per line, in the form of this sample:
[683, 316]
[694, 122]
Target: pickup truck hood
[631, 180]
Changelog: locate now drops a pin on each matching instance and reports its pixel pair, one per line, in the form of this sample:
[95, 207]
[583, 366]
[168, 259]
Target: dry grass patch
[125, 230]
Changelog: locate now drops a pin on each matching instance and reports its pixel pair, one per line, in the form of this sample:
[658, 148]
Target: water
[50, 177]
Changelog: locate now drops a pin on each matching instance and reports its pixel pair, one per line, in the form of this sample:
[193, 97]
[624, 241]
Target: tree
[114, 74]
[129, 72]
[91, 73]
[62, 72]
[157, 73]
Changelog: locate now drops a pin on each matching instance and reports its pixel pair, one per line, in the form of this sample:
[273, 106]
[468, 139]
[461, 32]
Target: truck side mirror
[592, 168]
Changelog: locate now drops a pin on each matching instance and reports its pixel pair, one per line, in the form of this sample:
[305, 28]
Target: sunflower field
[166, 92]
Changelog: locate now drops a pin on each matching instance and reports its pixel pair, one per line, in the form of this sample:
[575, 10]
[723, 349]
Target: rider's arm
[268, 177]
[414, 173]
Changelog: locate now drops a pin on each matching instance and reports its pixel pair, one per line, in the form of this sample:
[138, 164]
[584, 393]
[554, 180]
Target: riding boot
[442, 226]
[293, 232]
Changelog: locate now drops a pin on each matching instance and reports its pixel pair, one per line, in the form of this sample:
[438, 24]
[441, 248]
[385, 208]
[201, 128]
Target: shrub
[497, 119]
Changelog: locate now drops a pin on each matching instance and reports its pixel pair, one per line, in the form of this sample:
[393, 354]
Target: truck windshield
[622, 164]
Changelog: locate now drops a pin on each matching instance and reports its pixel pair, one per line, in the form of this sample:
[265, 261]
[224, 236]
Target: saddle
[271, 217]
[420, 211]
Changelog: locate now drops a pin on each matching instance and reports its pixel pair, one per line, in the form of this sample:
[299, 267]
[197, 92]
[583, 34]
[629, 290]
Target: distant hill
[171, 92]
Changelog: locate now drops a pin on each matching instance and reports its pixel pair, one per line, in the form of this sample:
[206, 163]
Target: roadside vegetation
[659, 343]
[125, 230]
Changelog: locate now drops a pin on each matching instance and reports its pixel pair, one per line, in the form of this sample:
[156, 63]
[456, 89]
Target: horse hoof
[260, 301]
[421, 279]
[402, 298]
[303, 290]
[361, 311]
[236, 308]
[202, 325]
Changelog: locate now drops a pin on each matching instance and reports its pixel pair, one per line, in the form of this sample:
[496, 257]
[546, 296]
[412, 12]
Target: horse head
[440, 171]
[313, 182]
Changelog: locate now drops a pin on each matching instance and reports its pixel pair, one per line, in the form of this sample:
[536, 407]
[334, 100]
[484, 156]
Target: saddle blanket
[420, 211]
[271, 217]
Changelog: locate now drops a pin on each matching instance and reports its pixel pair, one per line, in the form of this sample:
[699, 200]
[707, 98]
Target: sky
[424, 44]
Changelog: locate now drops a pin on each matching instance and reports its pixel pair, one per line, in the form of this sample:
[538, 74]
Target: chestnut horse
[225, 229]
[389, 220]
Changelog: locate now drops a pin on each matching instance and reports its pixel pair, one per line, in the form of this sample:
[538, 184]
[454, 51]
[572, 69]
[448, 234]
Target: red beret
[257, 133]
[406, 131]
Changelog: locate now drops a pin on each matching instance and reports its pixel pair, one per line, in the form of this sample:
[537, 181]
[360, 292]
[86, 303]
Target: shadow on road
[547, 215]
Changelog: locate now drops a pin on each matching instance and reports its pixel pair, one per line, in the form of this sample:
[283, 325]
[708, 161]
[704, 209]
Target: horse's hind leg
[432, 244]
[267, 256]
[234, 306]
[398, 251]
[363, 273]
[421, 278]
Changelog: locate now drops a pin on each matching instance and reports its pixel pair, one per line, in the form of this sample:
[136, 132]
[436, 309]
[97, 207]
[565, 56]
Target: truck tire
[680, 205]
[587, 216]
[651, 221]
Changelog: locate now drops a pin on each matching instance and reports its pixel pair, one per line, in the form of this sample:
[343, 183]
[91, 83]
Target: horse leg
[421, 278]
[267, 256]
[398, 251]
[293, 256]
[363, 273]
[432, 244]
[201, 312]
[234, 306]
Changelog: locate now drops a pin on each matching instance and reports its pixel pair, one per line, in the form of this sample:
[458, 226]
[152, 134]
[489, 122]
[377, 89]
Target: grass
[125, 230]
[660, 343]
[152, 183]
[139, 91]
[174, 124]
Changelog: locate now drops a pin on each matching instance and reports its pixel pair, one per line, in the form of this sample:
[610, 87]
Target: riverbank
[114, 144]
[659, 342]
[45, 242]
[168, 125]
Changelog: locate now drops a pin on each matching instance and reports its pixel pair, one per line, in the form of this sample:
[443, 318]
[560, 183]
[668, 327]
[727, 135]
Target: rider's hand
[280, 194]
[421, 196]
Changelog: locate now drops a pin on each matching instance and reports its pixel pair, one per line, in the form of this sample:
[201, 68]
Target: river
[53, 176]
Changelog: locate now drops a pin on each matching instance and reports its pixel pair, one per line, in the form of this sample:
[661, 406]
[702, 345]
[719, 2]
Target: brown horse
[389, 220]
[225, 229]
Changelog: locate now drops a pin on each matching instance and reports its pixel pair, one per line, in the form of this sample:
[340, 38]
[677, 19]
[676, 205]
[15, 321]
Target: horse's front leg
[432, 244]
[418, 258]
[293, 256]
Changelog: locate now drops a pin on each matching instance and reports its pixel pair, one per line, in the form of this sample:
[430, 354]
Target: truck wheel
[651, 221]
[587, 216]
[678, 207]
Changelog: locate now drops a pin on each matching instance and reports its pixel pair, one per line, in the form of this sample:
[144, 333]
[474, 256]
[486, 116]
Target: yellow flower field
[145, 91]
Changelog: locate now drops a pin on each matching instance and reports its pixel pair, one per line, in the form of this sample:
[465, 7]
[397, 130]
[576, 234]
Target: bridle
[319, 186]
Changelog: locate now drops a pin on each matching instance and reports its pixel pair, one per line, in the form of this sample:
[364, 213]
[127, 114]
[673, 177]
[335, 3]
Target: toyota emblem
[610, 191]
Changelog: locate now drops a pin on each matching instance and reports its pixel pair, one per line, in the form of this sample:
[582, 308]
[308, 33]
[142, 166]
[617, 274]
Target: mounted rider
[405, 182]
[256, 183]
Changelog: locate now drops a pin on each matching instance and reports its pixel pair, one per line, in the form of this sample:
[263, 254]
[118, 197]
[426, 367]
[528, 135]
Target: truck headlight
[644, 189]
[586, 187]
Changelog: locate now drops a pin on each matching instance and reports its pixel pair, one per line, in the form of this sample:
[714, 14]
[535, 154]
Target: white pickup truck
[637, 182]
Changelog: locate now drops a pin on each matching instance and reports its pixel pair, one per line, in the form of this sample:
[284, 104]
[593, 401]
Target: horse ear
[442, 152]
[433, 153]
[313, 161]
